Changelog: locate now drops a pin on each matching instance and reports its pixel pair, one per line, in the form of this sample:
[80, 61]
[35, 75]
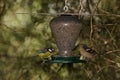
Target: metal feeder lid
[71, 59]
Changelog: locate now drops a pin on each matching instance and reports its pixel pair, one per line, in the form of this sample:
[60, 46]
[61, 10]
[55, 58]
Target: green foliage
[23, 32]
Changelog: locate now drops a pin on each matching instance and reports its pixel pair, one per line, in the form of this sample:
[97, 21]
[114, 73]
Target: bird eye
[52, 49]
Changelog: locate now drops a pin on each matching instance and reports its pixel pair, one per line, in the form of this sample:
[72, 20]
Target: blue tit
[45, 53]
[87, 52]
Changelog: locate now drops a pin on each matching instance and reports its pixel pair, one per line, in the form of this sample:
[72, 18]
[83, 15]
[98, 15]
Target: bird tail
[35, 54]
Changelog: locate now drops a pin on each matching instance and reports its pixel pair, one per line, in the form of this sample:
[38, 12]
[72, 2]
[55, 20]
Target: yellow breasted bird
[45, 53]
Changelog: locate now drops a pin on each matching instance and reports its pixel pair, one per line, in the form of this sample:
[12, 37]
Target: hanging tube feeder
[65, 30]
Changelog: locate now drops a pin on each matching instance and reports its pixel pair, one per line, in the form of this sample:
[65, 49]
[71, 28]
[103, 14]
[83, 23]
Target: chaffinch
[86, 51]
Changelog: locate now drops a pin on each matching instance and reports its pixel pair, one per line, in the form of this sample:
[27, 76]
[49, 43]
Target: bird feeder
[65, 30]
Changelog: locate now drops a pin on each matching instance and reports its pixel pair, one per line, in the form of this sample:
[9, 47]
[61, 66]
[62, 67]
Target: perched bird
[45, 53]
[87, 52]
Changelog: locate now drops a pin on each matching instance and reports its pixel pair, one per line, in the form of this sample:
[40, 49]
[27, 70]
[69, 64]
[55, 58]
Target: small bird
[45, 53]
[87, 52]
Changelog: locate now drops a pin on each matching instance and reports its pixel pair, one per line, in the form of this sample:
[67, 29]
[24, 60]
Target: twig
[81, 8]
[100, 70]
[109, 13]
[22, 74]
[91, 30]
[49, 14]
[13, 56]
[113, 51]
[118, 50]
[111, 37]
[96, 6]
[91, 21]
[109, 60]
[4, 25]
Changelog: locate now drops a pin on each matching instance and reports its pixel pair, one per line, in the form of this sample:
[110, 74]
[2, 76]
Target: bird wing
[88, 49]
[46, 55]
[40, 52]
[85, 53]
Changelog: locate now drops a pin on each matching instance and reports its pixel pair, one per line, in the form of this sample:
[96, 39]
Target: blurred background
[24, 29]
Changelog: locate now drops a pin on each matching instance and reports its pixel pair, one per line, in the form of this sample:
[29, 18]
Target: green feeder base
[59, 59]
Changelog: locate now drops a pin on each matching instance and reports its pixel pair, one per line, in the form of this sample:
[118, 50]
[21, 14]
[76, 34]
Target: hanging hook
[66, 7]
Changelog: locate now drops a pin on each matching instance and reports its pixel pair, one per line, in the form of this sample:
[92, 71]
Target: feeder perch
[65, 30]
